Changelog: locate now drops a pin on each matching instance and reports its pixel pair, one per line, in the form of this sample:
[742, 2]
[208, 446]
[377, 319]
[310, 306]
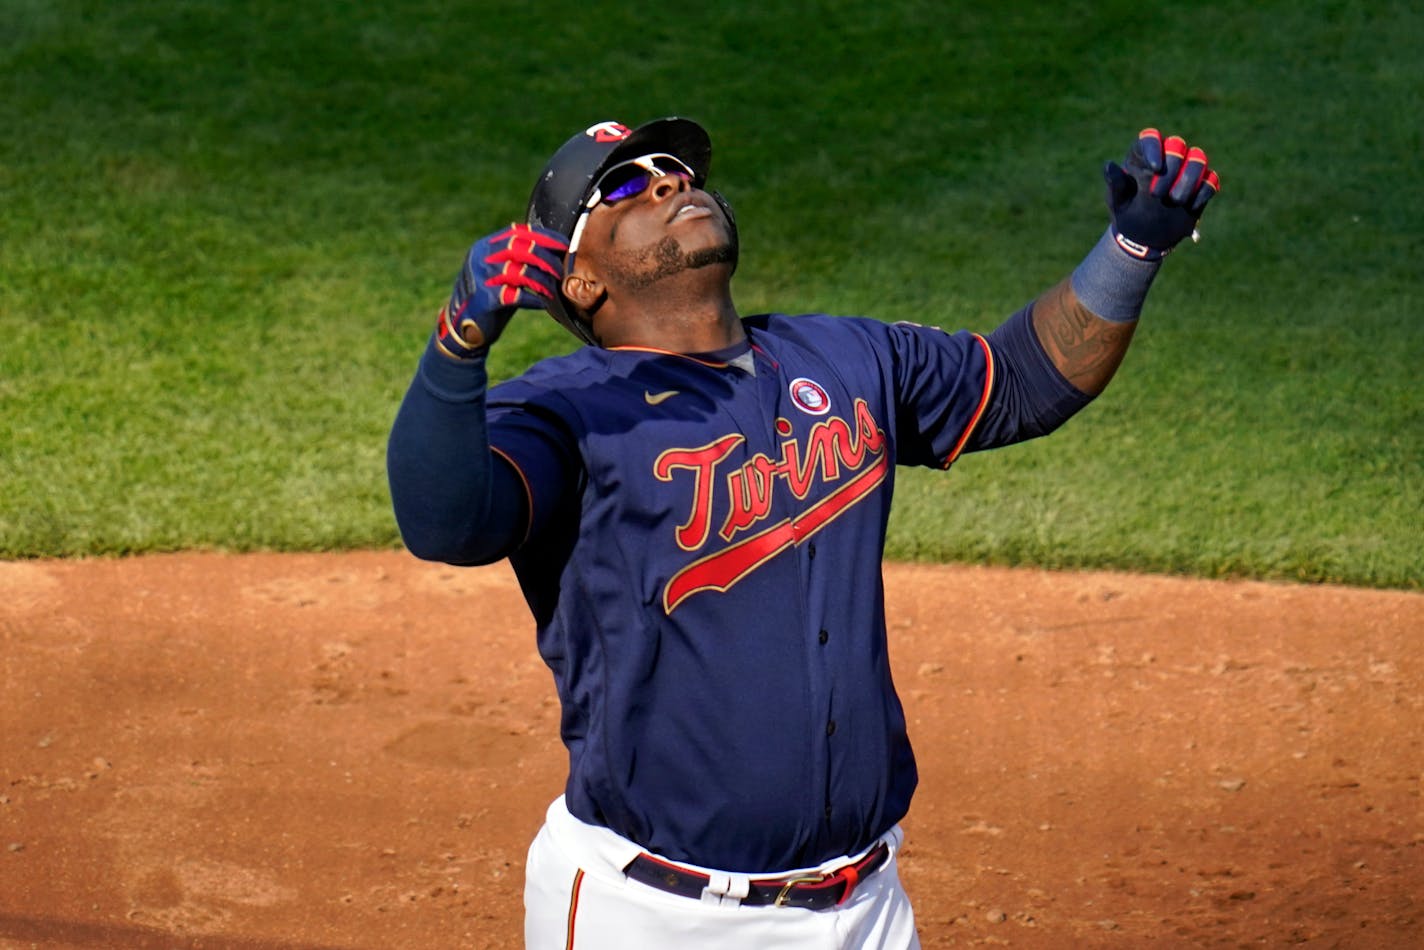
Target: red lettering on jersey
[832, 447]
[749, 490]
[724, 569]
[692, 534]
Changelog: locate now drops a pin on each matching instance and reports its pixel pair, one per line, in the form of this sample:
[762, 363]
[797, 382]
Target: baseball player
[695, 504]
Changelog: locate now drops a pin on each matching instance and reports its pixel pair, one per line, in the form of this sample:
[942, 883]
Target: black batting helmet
[562, 192]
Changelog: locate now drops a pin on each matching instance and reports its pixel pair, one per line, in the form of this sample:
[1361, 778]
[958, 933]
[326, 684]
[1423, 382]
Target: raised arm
[1081, 328]
[1155, 199]
[1084, 347]
[454, 500]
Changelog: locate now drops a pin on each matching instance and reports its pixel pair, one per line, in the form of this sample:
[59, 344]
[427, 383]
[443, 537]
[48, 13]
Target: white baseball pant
[576, 897]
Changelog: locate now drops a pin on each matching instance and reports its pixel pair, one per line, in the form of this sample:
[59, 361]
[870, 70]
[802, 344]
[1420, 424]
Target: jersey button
[823, 636]
[831, 728]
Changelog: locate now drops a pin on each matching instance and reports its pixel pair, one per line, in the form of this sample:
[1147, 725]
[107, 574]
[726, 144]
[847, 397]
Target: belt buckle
[784, 894]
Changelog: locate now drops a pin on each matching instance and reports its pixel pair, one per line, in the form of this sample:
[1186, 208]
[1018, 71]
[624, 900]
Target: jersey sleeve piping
[983, 402]
[528, 492]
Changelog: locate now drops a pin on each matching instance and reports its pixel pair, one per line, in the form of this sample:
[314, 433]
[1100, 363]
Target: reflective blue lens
[633, 186]
[632, 178]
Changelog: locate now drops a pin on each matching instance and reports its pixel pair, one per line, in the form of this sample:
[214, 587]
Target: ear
[584, 290]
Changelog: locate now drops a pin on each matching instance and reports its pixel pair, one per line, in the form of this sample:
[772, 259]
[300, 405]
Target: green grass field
[227, 228]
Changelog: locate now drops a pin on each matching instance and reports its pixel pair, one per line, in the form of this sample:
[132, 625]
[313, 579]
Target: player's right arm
[455, 500]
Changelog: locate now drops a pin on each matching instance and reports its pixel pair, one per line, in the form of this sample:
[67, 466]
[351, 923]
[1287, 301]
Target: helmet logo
[608, 131]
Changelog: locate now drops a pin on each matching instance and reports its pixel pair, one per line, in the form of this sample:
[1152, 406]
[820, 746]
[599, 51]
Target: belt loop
[726, 888]
[716, 889]
[741, 886]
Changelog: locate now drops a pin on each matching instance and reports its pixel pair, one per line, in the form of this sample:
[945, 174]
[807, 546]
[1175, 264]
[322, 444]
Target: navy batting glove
[520, 266]
[1158, 194]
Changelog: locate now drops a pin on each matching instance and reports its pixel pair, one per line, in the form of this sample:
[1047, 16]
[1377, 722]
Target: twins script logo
[849, 454]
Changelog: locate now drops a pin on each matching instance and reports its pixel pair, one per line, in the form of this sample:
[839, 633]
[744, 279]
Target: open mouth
[690, 209]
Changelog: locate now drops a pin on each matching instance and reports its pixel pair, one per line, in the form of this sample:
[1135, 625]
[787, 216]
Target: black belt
[811, 891]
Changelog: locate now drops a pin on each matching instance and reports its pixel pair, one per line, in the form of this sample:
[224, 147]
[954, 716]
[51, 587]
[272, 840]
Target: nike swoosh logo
[654, 399]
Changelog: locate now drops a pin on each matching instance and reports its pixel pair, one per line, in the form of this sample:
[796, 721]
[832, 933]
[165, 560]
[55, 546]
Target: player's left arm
[1085, 348]
[1155, 199]
[1058, 353]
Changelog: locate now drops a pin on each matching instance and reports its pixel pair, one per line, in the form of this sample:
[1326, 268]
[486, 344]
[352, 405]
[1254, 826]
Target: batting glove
[1157, 195]
[520, 266]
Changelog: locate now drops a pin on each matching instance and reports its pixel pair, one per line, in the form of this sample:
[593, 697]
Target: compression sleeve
[454, 501]
[1030, 396]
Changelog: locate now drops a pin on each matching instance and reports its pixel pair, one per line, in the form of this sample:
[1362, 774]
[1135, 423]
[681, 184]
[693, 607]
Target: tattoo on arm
[1086, 348]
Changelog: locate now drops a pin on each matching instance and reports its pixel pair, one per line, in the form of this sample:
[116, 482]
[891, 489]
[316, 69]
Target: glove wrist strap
[451, 341]
[1140, 251]
[1113, 283]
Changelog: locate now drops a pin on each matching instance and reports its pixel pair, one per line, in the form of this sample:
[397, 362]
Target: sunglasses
[623, 181]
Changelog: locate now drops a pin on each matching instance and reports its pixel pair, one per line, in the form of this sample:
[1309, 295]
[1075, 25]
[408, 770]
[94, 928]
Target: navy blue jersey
[703, 562]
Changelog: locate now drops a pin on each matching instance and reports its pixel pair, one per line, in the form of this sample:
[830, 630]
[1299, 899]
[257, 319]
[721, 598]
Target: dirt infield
[299, 751]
